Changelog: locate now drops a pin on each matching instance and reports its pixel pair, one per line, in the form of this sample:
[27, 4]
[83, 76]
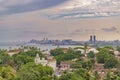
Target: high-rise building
[94, 38]
[90, 39]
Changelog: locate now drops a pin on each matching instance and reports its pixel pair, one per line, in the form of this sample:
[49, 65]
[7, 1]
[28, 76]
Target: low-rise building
[93, 50]
[117, 53]
[52, 63]
[49, 62]
[13, 52]
[65, 65]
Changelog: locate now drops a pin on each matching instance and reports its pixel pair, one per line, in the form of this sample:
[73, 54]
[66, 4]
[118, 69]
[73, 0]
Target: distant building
[46, 52]
[94, 50]
[52, 63]
[92, 39]
[13, 52]
[49, 62]
[67, 42]
[117, 54]
[44, 62]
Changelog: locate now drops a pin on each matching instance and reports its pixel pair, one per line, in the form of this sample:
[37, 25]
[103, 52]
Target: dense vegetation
[62, 54]
[21, 66]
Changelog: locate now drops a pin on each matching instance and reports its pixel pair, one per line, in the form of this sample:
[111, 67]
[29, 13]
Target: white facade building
[37, 59]
[50, 62]
[93, 50]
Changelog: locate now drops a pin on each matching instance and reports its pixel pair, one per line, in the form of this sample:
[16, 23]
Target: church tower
[37, 59]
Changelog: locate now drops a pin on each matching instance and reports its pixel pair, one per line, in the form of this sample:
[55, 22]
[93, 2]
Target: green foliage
[70, 50]
[57, 51]
[80, 74]
[85, 47]
[117, 72]
[78, 48]
[111, 63]
[76, 65]
[118, 48]
[108, 76]
[105, 47]
[31, 71]
[25, 57]
[103, 55]
[109, 47]
[97, 77]
[65, 57]
[7, 73]
[68, 55]
[112, 75]
[91, 54]
[107, 57]
[4, 57]
[89, 65]
[1, 78]
[22, 67]
[19, 64]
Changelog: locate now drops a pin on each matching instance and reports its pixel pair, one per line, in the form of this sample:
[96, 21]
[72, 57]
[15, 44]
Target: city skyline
[64, 19]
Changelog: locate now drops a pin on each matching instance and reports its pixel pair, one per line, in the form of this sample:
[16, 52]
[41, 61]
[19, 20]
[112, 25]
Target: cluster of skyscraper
[92, 39]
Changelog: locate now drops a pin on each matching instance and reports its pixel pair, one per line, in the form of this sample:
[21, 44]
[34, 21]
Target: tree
[69, 55]
[4, 57]
[89, 65]
[80, 74]
[57, 51]
[65, 57]
[1, 78]
[108, 76]
[97, 77]
[103, 55]
[118, 48]
[25, 57]
[91, 54]
[67, 76]
[111, 63]
[31, 71]
[109, 47]
[85, 47]
[7, 73]
[76, 65]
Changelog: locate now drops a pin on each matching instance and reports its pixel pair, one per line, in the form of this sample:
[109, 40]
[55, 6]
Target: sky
[59, 19]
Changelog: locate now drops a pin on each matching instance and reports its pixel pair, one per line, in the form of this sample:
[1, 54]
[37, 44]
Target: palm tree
[85, 48]
[7, 73]
[1, 78]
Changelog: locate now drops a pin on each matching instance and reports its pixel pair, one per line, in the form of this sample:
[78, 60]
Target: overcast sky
[59, 19]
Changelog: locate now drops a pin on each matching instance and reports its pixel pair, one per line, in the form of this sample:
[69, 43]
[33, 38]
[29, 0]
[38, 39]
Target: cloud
[19, 6]
[78, 32]
[88, 31]
[72, 9]
[77, 9]
[111, 29]
[85, 31]
[79, 15]
[35, 33]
